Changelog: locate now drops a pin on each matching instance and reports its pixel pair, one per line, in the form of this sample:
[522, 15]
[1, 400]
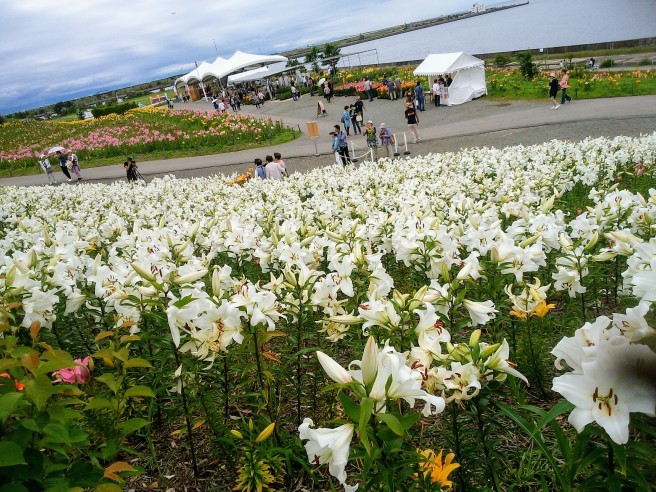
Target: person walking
[63, 160]
[341, 145]
[47, 168]
[390, 89]
[346, 120]
[368, 87]
[354, 120]
[553, 91]
[74, 166]
[397, 86]
[564, 85]
[386, 139]
[413, 120]
[321, 109]
[419, 93]
[359, 109]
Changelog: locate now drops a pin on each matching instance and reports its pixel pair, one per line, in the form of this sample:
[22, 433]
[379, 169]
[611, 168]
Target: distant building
[477, 8]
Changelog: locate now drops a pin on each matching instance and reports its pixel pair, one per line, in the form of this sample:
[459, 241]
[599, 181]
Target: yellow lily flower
[437, 469]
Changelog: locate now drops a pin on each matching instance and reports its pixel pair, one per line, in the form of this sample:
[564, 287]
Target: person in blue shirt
[419, 92]
[340, 145]
[260, 170]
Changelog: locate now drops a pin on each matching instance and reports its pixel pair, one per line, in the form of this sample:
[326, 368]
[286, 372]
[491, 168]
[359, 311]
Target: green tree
[526, 65]
[330, 56]
[312, 57]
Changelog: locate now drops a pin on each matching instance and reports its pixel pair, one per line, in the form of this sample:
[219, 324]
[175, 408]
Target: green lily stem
[534, 360]
[190, 437]
[456, 434]
[486, 451]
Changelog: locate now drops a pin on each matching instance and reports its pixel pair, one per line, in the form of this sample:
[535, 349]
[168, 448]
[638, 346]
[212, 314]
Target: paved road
[475, 124]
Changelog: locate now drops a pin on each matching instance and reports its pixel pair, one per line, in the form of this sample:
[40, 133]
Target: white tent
[222, 67]
[467, 72]
[258, 73]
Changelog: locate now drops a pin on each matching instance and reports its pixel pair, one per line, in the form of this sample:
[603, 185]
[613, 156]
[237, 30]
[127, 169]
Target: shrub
[526, 65]
[501, 60]
[609, 62]
[116, 109]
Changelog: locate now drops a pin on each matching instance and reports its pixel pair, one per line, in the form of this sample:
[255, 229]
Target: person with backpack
[413, 120]
[47, 168]
[340, 145]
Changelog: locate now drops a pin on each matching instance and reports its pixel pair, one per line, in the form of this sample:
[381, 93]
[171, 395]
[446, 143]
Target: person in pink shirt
[564, 84]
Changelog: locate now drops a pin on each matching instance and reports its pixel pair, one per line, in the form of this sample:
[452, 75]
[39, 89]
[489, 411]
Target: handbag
[358, 118]
[69, 165]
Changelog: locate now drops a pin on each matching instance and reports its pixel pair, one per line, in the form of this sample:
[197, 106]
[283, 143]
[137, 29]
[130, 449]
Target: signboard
[313, 129]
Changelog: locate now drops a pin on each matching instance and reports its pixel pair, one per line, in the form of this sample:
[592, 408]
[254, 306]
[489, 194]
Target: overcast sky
[57, 50]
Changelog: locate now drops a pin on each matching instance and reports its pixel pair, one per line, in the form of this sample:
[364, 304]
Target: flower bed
[139, 131]
[402, 308]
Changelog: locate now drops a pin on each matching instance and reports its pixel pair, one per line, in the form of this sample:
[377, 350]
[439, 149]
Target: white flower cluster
[329, 234]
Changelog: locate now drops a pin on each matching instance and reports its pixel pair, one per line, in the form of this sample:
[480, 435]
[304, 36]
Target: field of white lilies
[480, 320]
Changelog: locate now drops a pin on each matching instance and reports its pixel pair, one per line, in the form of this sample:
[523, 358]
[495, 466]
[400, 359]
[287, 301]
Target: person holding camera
[130, 169]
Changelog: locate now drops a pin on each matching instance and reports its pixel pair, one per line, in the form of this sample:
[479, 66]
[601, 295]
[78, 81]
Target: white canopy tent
[258, 73]
[467, 72]
[222, 67]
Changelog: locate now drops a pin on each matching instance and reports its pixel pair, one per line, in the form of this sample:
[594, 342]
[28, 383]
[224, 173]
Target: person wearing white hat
[47, 168]
[386, 139]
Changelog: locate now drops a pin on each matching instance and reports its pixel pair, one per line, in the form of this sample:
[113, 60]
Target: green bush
[526, 65]
[116, 109]
[609, 62]
[645, 61]
[501, 61]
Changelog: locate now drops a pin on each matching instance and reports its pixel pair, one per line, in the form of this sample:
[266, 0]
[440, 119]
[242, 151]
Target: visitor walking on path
[553, 91]
[62, 163]
[390, 89]
[321, 109]
[341, 145]
[346, 120]
[397, 86]
[368, 87]
[354, 120]
[74, 165]
[413, 120]
[564, 85]
[47, 168]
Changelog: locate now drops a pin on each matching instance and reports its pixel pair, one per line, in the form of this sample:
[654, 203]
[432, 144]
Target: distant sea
[540, 24]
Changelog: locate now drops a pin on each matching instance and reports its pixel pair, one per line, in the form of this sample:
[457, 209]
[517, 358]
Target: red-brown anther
[595, 395]
[364, 305]
[511, 363]
[315, 460]
[424, 375]
[416, 364]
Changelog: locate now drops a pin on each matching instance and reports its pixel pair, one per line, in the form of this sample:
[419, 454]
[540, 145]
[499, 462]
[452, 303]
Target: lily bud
[142, 272]
[10, 275]
[334, 371]
[216, 283]
[604, 256]
[190, 277]
[334, 236]
[346, 319]
[266, 433]
[564, 242]
[489, 350]
[369, 363]
[418, 299]
[162, 222]
[592, 242]
[236, 434]
[445, 273]
[474, 338]
[528, 241]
